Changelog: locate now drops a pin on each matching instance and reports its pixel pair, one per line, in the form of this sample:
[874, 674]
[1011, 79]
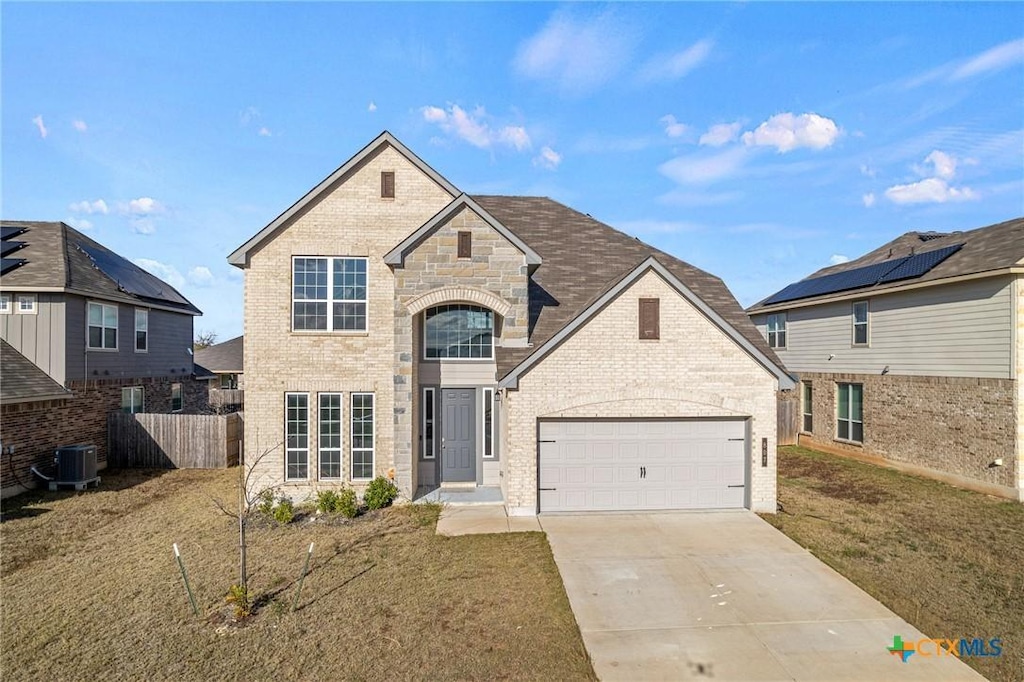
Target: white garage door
[629, 465]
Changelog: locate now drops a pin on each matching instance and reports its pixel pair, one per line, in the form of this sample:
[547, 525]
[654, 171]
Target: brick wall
[604, 370]
[37, 429]
[351, 219]
[949, 424]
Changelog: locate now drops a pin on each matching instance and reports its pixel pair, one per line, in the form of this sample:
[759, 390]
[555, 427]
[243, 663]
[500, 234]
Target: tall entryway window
[458, 331]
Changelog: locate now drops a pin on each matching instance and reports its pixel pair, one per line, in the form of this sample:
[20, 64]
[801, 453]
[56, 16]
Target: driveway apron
[723, 596]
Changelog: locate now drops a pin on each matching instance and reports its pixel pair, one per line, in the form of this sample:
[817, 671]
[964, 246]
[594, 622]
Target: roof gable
[511, 380]
[240, 256]
[23, 381]
[397, 255]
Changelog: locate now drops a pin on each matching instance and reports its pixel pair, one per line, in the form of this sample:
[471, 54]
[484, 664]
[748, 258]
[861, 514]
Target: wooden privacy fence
[789, 424]
[173, 441]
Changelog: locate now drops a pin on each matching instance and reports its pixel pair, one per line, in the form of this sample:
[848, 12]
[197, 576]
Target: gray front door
[458, 438]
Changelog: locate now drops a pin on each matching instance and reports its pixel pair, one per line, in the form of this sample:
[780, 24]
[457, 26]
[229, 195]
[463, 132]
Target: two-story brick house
[109, 334]
[912, 355]
[394, 324]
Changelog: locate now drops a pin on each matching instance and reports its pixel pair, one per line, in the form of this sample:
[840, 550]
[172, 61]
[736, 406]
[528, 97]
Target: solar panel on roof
[8, 247]
[917, 265]
[130, 277]
[8, 264]
[8, 231]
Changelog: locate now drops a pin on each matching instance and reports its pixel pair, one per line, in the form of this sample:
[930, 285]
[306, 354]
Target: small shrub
[265, 502]
[238, 597]
[348, 505]
[380, 493]
[284, 511]
[328, 502]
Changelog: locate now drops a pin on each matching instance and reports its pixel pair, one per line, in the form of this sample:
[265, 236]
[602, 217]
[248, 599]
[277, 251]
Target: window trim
[806, 406]
[373, 435]
[131, 401]
[6, 306]
[288, 450]
[431, 454]
[775, 345]
[330, 301]
[103, 327]
[32, 310]
[866, 324]
[494, 334]
[487, 399]
[840, 386]
[320, 449]
[181, 398]
[145, 314]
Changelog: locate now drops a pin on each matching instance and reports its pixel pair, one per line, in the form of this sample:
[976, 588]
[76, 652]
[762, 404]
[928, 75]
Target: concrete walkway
[723, 596]
[474, 519]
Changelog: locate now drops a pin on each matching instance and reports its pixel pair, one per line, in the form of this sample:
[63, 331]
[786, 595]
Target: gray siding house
[912, 356]
[113, 336]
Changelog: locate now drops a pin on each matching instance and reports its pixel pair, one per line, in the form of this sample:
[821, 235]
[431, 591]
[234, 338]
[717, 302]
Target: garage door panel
[597, 466]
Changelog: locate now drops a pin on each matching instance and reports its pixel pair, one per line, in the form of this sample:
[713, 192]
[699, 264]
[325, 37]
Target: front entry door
[458, 437]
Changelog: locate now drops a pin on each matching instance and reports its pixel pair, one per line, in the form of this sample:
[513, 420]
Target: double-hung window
[777, 330]
[807, 402]
[141, 330]
[329, 294]
[850, 412]
[330, 435]
[27, 304]
[102, 326]
[132, 399]
[860, 323]
[362, 436]
[5, 304]
[296, 436]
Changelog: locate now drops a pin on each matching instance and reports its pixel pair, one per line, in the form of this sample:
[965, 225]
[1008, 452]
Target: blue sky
[758, 141]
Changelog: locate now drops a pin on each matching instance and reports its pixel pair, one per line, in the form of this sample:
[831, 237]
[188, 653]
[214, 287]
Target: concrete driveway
[723, 596]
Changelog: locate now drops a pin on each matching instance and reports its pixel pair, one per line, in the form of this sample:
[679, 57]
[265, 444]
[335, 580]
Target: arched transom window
[459, 331]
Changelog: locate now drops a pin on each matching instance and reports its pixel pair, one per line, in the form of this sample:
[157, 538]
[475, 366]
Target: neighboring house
[913, 355]
[395, 325]
[221, 367]
[108, 334]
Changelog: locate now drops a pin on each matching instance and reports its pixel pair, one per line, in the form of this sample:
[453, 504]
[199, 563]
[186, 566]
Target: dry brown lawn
[948, 561]
[90, 590]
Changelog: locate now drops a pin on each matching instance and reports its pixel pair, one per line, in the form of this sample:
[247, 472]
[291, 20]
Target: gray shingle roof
[224, 358]
[582, 258]
[21, 381]
[995, 247]
[57, 258]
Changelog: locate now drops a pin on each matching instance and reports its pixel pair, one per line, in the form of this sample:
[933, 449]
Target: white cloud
[371, 106]
[943, 164]
[548, 158]
[676, 65]
[789, 131]
[98, 206]
[868, 199]
[929, 191]
[999, 57]
[838, 259]
[264, 131]
[79, 224]
[515, 136]
[577, 55]
[473, 127]
[200, 276]
[673, 128]
[144, 226]
[79, 125]
[141, 206]
[248, 115]
[167, 273]
[40, 126]
[867, 171]
[720, 134]
[697, 169]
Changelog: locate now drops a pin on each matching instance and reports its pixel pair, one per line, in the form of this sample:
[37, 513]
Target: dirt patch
[949, 561]
[91, 590]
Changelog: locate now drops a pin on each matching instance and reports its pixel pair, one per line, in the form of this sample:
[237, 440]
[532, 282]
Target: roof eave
[240, 256]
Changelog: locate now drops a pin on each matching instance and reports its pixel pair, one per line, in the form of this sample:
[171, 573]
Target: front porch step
[458, 487]
[477, 495]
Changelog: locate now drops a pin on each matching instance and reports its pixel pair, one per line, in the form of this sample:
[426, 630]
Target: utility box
[76, 465]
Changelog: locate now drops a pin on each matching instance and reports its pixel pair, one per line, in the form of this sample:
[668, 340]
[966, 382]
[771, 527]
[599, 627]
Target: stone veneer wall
[947, 424]
[36, 429]
[604, 370]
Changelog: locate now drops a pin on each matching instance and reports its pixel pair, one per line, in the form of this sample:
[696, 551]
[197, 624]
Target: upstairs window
[777, 330]
[650, 319]
[102, 326]
[329, 294]
[5, 304]
[459, 331]
[860, 323]
[27, 304]
[141, 330]
[387, 185]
